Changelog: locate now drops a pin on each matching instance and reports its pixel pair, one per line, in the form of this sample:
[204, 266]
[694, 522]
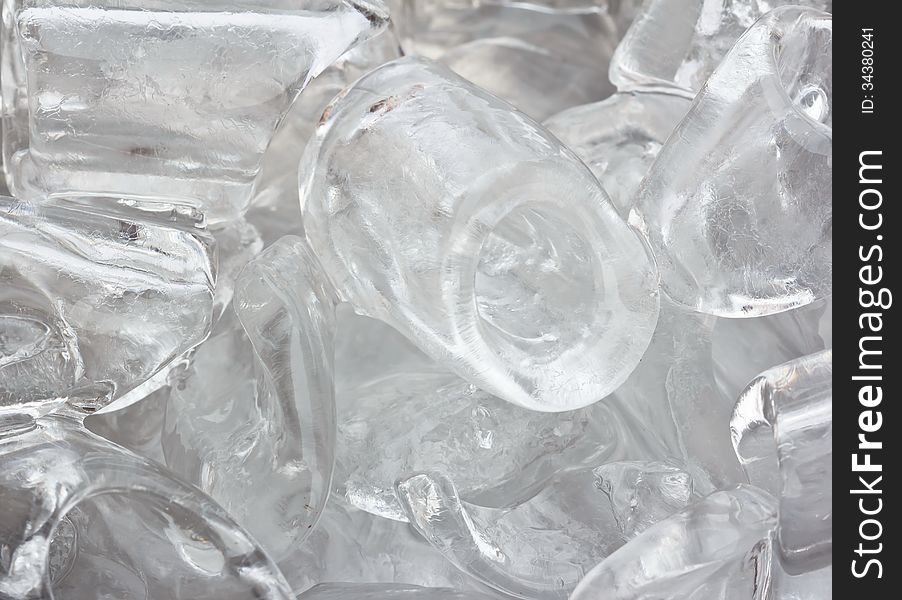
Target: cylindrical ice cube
[738, 205]
[439, 209]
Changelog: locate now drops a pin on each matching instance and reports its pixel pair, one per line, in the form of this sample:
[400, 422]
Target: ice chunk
[813, 585]
[674, 45]
[463, 224]
[620, 137]
[275, 209]
[824, 5]
[252, 422]
[541, 56]
[353, 546]
[97, 294]
[533, 551]
[675, 390]
[643, 493]
[538, 549]
[237, 242]
[736, 344]
[786, 414]
[139, 426]
[168, 98]
[85, 518]
[714, 550]
[367, 350]
[738, 204]
[496, 453]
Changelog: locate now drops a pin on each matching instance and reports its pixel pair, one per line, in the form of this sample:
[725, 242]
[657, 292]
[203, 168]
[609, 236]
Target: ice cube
[100, 293]
[462, 223]
[83, 517]
[738, 204]
[786, 415]
[166, 98]
[714, 550]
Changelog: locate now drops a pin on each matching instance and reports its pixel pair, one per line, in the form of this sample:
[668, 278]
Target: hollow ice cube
[738, 204]
[459, 221]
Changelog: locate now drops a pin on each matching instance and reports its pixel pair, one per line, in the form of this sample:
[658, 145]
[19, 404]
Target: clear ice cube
[643, 493]
[353, 546]
[785, 417]
[497, 454]
[274, 209]
[85, 518]
[738, 204]
[736, 344]
[252, 421]
[539, 549]
[714, 550]
[674, 45]
[237, 242]
[100, 293]
[541, 56]
[167, 98]
[459, 221]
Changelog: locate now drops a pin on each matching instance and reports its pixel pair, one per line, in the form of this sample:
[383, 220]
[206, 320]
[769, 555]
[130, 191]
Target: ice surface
[237, 242]
[496, 252]
[814, 585]
[252, 421]
[541, 56]
[347, 591]
[620, 137]
[714, 550]
[170, 98]
[138, 426]
[497, 454]
[97, 294]
[736, 344]
[85, 518]
[786, 414]
[674, 388]
[460, 379]
[539, 549]
[274, 208]
[352, 546]
[738, 204]
[824, 5]
[674, 45]
[643, 493]
[367, 351]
